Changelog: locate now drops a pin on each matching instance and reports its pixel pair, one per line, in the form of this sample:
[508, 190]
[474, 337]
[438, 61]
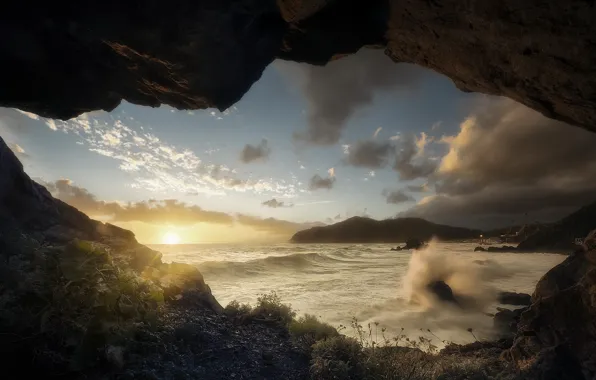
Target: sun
[171, 238]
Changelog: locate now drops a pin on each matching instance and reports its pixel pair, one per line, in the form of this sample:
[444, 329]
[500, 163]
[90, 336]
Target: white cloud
[158, 166]
[28, 114]
[395, 137]
[331, 172]
[372, 173]
[346, 148]
[51, 124]
[377, 132]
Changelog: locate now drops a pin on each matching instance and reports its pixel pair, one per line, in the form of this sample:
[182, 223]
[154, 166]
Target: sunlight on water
[370, 282]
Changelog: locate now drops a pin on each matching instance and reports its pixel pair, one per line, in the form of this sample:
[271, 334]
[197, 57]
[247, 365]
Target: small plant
[308, 330]
[269, 308]
[339, 357]
[237, 310]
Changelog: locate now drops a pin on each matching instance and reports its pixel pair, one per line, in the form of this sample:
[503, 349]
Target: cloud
[274, 203]
[317, 182]
[168, 211]
[396, 196]
[156, 166]
[252, 153]
[410, 162]
[342, 87]
[30, 115]
[331, 172]
[509, 164]
[418, 188]
[152, 211]
[18, 151]
[274, 226]
[374, 136]
[369, 154]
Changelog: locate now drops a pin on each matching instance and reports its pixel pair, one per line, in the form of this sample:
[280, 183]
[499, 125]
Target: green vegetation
[370, 355]
[269, 308]
[308, 330]
[78, 298]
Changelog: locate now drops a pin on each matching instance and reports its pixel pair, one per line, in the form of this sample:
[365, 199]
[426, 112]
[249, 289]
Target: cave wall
[63, 59]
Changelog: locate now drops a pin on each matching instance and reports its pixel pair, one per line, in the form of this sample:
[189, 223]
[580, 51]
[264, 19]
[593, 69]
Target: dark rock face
[414, 244]
[28, 208]
[442, 291]
[516, 299]
[62, 60]
[560, 236]
[505, 321]
[558, 331]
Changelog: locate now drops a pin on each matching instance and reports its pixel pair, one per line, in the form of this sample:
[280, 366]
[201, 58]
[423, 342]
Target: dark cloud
[317, 182]
[252, 153]
[511, 165]
[369, 154]
[397, 196]
[418, 188]
[337, 90]
[274, 203]
[163, 211]
[410, 162]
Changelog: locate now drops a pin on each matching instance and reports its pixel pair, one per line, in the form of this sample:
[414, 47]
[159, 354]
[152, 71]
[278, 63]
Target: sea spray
[417, 309]
[469, 281]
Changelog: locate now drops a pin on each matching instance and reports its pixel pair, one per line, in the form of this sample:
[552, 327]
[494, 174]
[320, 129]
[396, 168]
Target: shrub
[269, 308]
[308, 329]
[338, 357]
[238, 310]
[75, 300]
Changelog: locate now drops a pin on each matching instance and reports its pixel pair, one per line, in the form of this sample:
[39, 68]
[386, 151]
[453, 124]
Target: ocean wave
[305, 262]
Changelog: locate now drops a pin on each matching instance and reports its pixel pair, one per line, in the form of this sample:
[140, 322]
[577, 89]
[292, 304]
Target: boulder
[516, 299]
[479, 249]
[442, 291]
[558, 331]
[505, 321]
[414, 244]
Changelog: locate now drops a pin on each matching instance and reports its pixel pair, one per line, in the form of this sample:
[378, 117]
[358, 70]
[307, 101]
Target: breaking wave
[304, 262]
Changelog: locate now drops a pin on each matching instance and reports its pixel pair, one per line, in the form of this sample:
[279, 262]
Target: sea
[369, 283]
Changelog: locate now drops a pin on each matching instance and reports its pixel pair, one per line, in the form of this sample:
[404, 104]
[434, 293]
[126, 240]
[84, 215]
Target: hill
[366, 230]
[559, 236]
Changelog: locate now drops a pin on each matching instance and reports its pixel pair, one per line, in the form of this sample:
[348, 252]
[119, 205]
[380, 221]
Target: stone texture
[557, 334]
[560, 236]
[516, 299]
[60, 60]
[28, 208]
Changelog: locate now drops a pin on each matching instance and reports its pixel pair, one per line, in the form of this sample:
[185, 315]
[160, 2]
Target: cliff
[560, 236]
[60, 60]
[83, 299]
[366, 230]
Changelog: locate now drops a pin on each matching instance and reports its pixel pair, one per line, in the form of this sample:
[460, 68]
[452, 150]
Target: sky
[308, 146]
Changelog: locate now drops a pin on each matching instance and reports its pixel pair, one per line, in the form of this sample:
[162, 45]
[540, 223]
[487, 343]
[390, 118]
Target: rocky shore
[83, 299]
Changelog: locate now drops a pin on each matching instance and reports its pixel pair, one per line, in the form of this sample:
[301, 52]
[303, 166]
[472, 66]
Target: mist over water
[370, 282]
